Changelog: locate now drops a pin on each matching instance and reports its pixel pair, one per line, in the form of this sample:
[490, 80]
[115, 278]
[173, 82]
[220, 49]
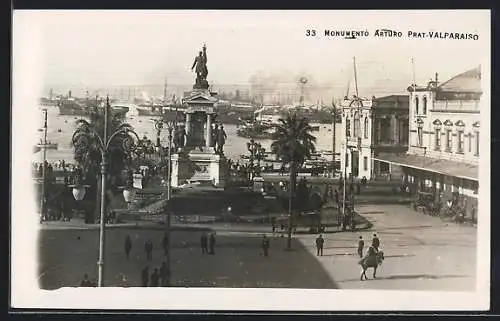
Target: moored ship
[83, 107]
[256, 130]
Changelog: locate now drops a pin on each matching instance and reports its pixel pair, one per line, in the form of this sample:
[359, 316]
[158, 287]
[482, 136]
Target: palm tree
[88, 156]
[293, 143]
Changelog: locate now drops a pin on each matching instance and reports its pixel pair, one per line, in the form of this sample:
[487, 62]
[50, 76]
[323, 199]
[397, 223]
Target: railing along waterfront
[456, 106]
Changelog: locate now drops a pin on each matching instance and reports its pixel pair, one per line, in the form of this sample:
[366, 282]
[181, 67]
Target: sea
[60, 129]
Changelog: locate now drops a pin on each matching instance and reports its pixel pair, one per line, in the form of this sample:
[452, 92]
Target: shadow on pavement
[406, 277]
[419, 276]
[340, 254]
[399, 255]
[66, 255]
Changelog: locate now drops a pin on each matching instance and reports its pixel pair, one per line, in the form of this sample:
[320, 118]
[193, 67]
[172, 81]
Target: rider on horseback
[375, 242]
[370, 257]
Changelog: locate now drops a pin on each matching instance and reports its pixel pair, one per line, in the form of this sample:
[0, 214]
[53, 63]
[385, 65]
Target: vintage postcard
[251, 160]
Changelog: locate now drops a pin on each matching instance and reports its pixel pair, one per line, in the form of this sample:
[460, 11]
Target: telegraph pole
[44, 168]
[334, 136]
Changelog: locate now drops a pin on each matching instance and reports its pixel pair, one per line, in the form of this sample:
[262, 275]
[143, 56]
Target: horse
[371, 262]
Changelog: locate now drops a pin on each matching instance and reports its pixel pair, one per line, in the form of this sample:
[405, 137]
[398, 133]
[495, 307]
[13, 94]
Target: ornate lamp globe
[129, 194]
[78, 192]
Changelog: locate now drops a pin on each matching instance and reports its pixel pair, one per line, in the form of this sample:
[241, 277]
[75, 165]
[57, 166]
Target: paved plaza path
[422, 252]
[65, 255]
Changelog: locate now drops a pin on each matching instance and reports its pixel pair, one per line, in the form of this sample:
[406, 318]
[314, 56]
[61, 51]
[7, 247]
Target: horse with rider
[374, 257]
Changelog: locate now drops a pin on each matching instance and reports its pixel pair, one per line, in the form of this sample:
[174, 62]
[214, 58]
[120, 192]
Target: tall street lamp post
[171, 125]
[103, 144]
[347, 150]
[334, 137]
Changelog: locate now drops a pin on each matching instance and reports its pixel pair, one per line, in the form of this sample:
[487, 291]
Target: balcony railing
[456, 105]
[417, 150]
[354, 141]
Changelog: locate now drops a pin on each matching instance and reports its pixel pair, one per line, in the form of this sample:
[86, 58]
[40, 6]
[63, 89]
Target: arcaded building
[443, 155]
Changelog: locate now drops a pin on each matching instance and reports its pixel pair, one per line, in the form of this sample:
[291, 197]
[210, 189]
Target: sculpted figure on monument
[214, 136]
[221, 139]
[179, 137]
[200, 67]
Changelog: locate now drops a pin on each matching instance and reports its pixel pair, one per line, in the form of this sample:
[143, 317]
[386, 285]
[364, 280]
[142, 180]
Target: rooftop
[393, 98]
[469, 81]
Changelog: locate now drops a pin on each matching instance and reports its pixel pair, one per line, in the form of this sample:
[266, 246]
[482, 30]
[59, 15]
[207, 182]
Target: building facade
[373, 127]
[443, 154]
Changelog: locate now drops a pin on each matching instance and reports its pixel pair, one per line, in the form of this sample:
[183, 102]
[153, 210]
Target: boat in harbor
[48, 145]
[48, 102]
[83, 107]
[149, 110]
[40, 146]
[256, 130]
[72, 107]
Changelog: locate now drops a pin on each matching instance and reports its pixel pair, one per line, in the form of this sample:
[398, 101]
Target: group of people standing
[218, 138]
[373, 249]
[159, 277]
[207, 243]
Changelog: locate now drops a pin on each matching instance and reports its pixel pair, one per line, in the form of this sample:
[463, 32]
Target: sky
[101, 49]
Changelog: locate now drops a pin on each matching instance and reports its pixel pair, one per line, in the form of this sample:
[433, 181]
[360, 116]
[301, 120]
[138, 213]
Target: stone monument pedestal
[196, 166]
[199, 161]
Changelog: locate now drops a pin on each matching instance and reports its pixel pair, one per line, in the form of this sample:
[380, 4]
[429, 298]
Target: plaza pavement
[422, 252]
[66, 254]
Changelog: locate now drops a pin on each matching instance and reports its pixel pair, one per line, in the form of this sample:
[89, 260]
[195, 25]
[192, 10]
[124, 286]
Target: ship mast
[165, 92]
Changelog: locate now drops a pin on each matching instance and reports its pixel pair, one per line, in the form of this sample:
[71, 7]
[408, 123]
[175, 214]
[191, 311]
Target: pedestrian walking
[320, 241]
[155, 278]
[164, 243]
[164, 274]
[375, 242]
[265, 245]
[128, 246]
[211, 243]
[145, 276]
[204, 243]
[148, 246]
[361, 245]
[85, 282]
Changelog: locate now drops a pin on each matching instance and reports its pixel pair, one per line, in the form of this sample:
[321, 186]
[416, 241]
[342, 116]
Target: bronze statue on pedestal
[200, 67]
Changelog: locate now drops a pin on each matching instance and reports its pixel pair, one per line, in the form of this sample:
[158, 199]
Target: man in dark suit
[211, 243]
[320, 241]
[204, 243]
[375, 242]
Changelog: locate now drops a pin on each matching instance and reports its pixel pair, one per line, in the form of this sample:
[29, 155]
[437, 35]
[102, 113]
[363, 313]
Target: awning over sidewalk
[441, 166]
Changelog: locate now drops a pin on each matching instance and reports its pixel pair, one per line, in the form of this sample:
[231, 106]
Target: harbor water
[61, 128]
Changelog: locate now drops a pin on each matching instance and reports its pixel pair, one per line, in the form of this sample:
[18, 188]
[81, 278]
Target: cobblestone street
[421, 252]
